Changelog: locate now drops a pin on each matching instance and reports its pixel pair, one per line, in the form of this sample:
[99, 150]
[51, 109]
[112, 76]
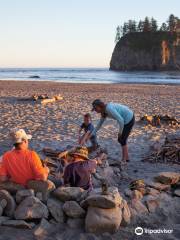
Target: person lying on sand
[21, 164]
[123, 115]
[88, 128]
[78, 173]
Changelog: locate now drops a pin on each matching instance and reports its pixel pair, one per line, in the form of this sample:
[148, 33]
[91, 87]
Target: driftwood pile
[44, 98]
[158, 120]
[169, 152]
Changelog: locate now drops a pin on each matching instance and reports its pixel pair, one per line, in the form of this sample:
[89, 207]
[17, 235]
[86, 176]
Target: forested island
[147, 46]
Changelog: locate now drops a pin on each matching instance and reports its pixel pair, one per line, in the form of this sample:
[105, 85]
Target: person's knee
[122, 141]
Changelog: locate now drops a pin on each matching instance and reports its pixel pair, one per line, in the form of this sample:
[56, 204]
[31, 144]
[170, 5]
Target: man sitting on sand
[21, 164]
[88, 128]
[123, 115]
[78, 173]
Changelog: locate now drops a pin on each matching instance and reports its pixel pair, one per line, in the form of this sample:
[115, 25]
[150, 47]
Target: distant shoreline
[88, 83]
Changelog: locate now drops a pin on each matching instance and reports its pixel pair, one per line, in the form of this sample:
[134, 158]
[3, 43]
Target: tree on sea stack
[147, 25]
[172, 21]
[118, 34]
[154, 25]
[140, 26]
[164, 27]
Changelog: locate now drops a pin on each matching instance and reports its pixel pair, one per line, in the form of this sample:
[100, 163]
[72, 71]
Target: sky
[69, 33]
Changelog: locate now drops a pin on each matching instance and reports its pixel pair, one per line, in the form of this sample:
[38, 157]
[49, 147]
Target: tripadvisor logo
[140, 231]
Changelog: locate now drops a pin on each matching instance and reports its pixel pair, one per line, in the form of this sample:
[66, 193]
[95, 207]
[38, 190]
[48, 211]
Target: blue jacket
[121, 113]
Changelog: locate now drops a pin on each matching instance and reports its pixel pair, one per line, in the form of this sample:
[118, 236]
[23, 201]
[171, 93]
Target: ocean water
[88, 75]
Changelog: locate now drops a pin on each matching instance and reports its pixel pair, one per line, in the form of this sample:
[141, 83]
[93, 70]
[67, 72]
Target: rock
[88, 236]
[152, 203]
[55, 208]
[17, 224]
[68, 193]
[96, 199]
[3, 219]
[99, 220]
[3, 203]
[72, 209]
[138, 206]
[128, 193]
[139, 51]
[43, 229]
[45, 187]
[31, 208]
[39, 195]
[126, 214]
[11, 187]
[167, 177]
[10, 206]
[22, 194]
[75, 223]
[177, 192]
[158, 186]
[1, 211]
[34, 76]
[136, 195]
[152, 191]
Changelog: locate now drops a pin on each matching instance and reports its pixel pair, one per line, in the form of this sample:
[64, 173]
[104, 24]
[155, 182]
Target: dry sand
[56, 124]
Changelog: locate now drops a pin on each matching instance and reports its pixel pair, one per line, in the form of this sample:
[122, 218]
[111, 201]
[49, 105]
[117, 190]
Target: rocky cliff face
[147, 51]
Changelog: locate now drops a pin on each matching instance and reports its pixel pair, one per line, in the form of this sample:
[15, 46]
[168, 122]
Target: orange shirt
[21, 166]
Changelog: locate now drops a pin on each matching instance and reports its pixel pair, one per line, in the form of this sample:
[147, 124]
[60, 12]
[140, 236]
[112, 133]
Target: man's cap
[96, 103]
[81, 152]
[18, 135]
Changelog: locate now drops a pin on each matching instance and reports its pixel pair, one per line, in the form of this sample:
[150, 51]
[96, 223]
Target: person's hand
[47, 169]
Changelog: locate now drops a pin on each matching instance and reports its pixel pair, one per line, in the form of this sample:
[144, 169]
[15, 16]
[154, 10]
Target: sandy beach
[56, 124]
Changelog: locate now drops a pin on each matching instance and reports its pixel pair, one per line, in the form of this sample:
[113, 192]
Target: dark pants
[126, 131]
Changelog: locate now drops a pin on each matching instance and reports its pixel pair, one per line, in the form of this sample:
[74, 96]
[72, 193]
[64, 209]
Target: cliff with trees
[146, 46]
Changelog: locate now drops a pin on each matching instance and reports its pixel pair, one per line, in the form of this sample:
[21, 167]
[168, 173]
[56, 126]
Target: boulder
[75, 223]
[3, 203]
[44, 187]
[72, 209]
[110, 200]
[99, 220]
[138, 206]
[17, 224]
[10, 203]
[68, 193]
[152, 191]
[39, 195]
[177, 192]
[128, 193]
[167, 177]
[43, 229]
[158, 186]
[126, 214]
[11, 187]
[136, 195]
[31, 208]
[22, 194]
[56, 210]
[152, 203]
[1, 211]
[3, 219]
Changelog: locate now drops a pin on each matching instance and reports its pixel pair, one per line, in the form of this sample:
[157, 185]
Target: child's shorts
[126, 131]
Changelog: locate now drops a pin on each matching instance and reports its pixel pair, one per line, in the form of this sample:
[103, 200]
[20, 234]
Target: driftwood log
[168, 153]
[157, 120]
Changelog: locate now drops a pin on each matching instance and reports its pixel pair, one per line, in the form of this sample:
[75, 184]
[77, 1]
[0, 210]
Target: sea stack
[147, 51]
